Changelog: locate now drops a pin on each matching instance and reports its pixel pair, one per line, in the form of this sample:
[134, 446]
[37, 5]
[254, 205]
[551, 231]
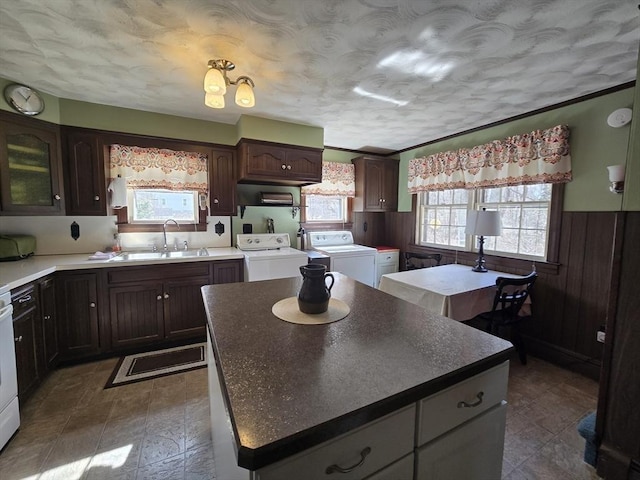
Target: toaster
[16, 247]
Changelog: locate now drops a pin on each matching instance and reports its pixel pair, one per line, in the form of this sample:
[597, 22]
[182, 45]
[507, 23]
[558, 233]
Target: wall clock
[23, 99]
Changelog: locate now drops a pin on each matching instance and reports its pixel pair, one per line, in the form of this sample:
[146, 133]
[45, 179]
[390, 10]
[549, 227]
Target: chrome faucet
[164, 232]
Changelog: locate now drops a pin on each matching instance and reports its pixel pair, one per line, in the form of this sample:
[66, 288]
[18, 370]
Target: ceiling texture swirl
[377, 75]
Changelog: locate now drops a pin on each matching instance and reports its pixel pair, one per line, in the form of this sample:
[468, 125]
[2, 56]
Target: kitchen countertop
[20, 272]
[289, 387]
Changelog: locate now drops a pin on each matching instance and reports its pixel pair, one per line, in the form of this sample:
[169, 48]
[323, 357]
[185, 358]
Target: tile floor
[159, 429]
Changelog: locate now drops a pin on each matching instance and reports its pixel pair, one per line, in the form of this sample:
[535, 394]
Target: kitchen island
[390, 391]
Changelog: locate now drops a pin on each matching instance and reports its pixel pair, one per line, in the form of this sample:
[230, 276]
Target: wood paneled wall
[618, 420]
[571, 299]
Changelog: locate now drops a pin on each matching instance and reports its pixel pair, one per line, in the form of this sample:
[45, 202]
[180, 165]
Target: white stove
[353, 260]
[269, 255]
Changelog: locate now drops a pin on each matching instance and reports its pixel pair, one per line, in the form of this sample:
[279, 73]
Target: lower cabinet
[473, 451]
[136, 314]
[35, 335]
[78, 304]
[162, 303]
[24, 333]
[50, 348]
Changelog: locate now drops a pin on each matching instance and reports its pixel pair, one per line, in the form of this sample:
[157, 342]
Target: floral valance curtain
[159, 168]
[338, 179]
[542, 156]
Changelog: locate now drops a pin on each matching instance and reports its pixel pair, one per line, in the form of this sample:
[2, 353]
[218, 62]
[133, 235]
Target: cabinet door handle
[335, 468]
[288, 167]
[216, 201]
[96, 198]
[18, 339]
[283, 166]
[159, 297]
[24, 299]
[166, 295]
[92, 304]
[47, 317]
[56, 197]
[474, 404]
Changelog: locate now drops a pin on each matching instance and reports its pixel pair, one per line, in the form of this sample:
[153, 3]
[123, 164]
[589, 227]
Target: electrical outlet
[600, 336]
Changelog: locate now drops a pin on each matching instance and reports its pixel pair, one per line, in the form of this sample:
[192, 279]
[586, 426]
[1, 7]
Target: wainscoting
[572, 298]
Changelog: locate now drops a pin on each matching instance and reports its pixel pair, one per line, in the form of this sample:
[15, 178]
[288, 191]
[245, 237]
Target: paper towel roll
[118, 189]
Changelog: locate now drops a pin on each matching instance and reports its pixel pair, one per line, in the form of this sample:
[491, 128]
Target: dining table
[454, 290]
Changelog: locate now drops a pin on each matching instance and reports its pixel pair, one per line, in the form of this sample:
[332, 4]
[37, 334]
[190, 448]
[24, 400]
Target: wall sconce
[616, 177]
[216, 82]
[483, 223]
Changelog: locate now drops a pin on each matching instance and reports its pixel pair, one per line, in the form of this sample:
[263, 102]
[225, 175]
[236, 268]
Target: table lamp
[482, 223]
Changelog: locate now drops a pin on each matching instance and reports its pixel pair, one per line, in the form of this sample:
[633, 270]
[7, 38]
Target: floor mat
[148, 365]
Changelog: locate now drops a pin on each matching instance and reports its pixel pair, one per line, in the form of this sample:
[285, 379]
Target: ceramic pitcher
[314, 294]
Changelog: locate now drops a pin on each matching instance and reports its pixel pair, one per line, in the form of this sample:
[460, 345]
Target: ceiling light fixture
[216, 82]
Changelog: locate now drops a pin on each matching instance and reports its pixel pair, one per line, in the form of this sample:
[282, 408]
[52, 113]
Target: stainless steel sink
[133, 256]
[186, 253]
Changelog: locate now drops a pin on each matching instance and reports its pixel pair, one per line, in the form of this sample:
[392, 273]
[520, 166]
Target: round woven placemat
[287, 310]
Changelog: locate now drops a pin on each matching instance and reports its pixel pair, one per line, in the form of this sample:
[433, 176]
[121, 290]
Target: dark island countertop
[289, 387]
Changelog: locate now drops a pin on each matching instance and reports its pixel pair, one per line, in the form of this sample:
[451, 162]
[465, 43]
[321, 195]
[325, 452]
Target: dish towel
[118, 189]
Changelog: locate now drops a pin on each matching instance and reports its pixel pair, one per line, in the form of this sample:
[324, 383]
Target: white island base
[457, 433]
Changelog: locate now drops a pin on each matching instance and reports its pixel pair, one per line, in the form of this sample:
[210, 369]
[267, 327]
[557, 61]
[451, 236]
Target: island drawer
[378, 444]
[449, 408]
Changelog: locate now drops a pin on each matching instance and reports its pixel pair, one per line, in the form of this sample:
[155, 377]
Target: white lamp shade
[483, 222]
[244, 96]
[616, 173]
[214, 82]
[213, 101]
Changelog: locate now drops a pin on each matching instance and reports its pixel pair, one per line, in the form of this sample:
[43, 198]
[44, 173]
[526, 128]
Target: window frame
[122, 214]
[315, 226]
[553, 234]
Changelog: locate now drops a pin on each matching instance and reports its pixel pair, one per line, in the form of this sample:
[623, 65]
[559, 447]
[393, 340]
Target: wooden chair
[413, 261]
[511, 294]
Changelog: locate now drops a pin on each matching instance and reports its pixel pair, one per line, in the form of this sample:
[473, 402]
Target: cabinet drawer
[388, 439]
[23, 300]
[400, 470]
[155, 272]
[388, 258]
[445, 410]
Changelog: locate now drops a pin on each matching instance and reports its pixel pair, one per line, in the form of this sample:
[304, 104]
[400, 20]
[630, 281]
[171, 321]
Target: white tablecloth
[454, 291]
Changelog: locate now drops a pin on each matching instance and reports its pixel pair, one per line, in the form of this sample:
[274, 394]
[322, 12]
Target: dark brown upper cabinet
[222, 182]
[278, 164]
[30, 173]
[376, 184]
[84, 172]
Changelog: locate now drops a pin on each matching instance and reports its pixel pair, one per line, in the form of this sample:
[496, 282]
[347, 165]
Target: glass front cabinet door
[30, 170]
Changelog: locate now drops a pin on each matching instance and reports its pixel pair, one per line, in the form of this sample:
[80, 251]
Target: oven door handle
[6, 312]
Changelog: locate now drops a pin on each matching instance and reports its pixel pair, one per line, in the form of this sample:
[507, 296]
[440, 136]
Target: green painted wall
[103, 117]
[282, 217]
[594, 146]
[339, 156]
[631, 198]
[282, 132]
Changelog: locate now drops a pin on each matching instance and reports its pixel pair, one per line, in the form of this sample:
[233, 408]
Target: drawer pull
[92, 304]
[335, 468]
[18, 339]
[474, 404]
[26, 299]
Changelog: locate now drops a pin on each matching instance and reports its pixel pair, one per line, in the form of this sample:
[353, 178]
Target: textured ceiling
[375, 74]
